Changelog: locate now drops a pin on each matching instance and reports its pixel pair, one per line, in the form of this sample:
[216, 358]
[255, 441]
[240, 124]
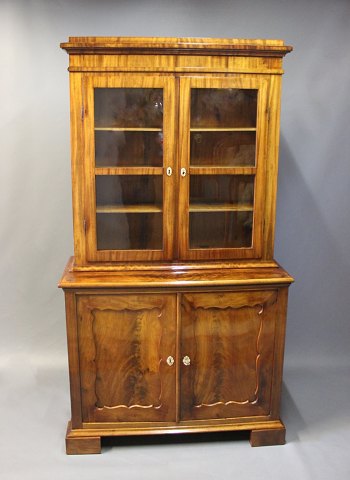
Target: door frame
[167, 83]
[217, 81]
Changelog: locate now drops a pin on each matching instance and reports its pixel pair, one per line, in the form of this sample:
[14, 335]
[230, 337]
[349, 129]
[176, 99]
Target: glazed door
[127, 350]
[222, 133]
[227, 345]
[129, 157]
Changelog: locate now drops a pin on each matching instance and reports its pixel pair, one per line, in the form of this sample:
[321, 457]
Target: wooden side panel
[229, 340]
[124, 343]
[281, 317]
[73, 357]
[271, 142]
[77, 162]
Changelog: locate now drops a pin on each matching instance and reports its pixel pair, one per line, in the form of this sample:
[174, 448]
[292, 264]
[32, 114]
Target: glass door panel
[132, 197]
[221, 211]
[222, 148]
[220, 134]
[128, 148]
[128, 108]
[129, 212]
[129, 231]
[223, 108]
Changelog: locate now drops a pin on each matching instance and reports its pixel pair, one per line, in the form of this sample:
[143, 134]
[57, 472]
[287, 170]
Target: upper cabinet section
[174, 148]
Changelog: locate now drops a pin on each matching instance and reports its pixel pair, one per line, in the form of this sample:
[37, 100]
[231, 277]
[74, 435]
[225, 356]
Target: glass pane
[129, 190]
[232, 191]
[221, 211]
[128, 149]
[128, 107]
[223, 107]
[226, 149]
[129, 212]
[221, 229]
[129, 231]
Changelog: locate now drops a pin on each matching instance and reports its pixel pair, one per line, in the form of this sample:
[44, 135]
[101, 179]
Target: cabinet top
[175, 277]
[172, 45]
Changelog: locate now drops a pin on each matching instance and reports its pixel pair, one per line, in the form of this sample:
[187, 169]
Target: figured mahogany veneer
[175, 307]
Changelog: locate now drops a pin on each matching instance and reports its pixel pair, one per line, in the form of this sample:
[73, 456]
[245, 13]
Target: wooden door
[222, 156]
[227, 351]
[129, 163]
[126, 343]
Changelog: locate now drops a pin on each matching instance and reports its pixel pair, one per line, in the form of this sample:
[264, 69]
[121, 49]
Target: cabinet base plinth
[88, 440]
[265, 438]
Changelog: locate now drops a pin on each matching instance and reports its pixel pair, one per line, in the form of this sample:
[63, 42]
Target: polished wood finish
[181, 328]
[124, 343]
[174, 276]
[73, 357]
[178, 46]
[229, 338]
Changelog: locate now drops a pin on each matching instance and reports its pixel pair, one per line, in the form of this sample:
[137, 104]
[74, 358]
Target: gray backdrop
[312, 235]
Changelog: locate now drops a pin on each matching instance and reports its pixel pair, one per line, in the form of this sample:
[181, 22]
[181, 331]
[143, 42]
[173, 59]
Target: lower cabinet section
[181, 361]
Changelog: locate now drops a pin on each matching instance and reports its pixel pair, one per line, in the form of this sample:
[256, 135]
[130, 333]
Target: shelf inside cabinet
[210, 170]
[129, 171]
[127, 129]
[223, 129]
[128, 209]
[222, 207]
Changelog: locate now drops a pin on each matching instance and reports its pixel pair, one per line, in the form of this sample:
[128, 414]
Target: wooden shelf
[127, 129]
[129, 171]
[221, 207]
[224, 129]
[128, 209]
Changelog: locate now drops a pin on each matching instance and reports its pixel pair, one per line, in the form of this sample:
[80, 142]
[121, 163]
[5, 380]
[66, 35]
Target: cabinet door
[227, 350]
[222, 131]
[129, 145]
[124, 344]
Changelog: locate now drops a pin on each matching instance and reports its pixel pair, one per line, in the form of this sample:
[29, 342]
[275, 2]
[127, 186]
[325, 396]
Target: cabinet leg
[76, 445]
[264, 438]
[83, 445]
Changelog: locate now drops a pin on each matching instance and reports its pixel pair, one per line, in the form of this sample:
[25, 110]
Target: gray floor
[35, 409]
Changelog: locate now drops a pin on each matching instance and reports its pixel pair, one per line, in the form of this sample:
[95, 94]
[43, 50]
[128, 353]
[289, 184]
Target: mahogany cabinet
[175, 306]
